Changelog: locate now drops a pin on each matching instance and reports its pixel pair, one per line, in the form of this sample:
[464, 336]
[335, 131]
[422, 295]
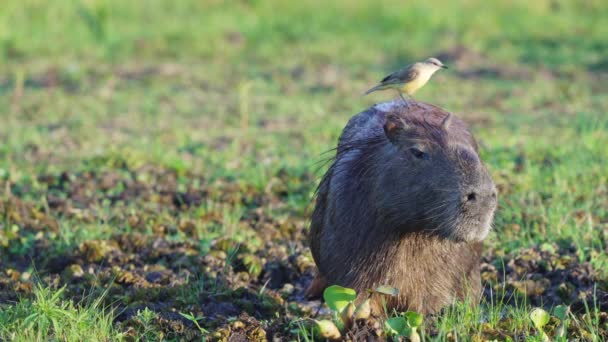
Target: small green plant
[396, 326]
[406, 324]
[414, 320]
[338, 297]
[540, 318]
[146, 318]
[341, 300]
[195, 320]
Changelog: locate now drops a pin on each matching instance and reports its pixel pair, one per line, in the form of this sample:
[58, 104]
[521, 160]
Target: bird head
[434, 63]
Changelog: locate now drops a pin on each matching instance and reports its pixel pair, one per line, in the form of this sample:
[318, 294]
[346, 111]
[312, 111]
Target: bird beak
[444, 66]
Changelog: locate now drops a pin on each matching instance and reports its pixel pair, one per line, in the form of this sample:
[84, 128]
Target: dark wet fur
[378, 221]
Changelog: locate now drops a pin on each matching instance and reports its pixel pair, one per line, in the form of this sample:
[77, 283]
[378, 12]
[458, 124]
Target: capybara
[406, 203]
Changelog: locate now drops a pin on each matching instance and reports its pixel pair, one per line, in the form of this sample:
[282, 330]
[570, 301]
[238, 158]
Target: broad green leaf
[414, 319]
[338, 297]
[396, 325]
[561, 312]
[387, 290]
[539, 317]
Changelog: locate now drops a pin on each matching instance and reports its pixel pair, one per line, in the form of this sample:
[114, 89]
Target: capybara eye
[417, 153]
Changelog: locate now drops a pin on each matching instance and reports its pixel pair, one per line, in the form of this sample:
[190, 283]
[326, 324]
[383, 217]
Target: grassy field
[158, 159]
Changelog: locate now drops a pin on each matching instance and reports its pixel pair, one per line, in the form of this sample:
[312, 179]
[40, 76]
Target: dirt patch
[546, 276]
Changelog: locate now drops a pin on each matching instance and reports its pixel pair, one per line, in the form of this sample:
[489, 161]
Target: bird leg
[404, 100]
[414, 101]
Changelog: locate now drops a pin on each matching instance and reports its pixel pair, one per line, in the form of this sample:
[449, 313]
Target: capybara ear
[394, 127]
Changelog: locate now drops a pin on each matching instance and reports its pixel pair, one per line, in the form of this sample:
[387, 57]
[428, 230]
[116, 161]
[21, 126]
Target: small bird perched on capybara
[406, 203]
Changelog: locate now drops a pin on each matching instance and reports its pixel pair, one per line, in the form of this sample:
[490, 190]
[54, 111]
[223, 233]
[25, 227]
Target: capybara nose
[472, 197]
[477, 195]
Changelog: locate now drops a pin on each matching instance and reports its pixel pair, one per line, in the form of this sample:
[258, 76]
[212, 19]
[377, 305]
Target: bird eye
[417, 153]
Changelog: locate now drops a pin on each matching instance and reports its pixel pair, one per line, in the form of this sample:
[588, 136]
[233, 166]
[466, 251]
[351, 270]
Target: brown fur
[406, 203]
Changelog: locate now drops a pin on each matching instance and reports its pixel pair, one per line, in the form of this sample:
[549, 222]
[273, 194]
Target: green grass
[242, 98]
[48, 316]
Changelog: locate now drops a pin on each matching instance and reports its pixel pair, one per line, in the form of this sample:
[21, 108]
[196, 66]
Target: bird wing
[402, 76]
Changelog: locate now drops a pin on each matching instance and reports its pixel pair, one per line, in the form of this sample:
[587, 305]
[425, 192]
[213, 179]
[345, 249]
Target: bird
[410, 78]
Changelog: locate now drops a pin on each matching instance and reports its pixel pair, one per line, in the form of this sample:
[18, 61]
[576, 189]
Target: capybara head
[406, 203]
[432, 178]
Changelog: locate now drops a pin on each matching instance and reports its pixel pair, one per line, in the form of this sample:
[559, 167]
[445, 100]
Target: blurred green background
[251, 91]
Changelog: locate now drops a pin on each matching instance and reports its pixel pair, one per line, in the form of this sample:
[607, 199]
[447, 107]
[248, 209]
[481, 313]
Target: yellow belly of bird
[411, 87]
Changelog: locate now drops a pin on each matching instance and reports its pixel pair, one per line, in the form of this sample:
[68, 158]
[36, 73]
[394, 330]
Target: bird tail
[378, 87]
